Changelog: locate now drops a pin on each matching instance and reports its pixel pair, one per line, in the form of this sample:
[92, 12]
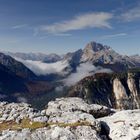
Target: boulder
[74, 104]
[123, 125]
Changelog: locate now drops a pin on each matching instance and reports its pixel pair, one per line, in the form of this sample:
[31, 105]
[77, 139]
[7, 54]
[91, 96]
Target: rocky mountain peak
[95, 47]
[96, 52]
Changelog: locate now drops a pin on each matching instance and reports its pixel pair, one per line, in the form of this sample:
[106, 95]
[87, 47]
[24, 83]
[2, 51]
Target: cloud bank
[85, 69]
[89, 20]
[40, 68]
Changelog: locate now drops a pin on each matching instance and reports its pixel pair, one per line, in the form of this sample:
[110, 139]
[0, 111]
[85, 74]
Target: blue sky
[61, 26]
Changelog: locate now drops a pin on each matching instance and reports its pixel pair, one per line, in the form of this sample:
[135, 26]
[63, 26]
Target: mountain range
[30, 76]
[48, 58]
[94, 53]
[102, 55]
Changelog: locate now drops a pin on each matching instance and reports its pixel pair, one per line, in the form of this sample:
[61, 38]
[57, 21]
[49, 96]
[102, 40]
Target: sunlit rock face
[123, 125]
[133, 85]
[120, 91]
[127, 94]
[96, 52]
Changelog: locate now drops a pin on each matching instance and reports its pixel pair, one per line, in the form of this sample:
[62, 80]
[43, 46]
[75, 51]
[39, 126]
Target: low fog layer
[41, 68]
[85, 69]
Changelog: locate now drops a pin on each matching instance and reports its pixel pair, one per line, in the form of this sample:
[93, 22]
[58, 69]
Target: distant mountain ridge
[16, 67]
[94, 53]
[48, 58]
[102, 55]
[136, 57]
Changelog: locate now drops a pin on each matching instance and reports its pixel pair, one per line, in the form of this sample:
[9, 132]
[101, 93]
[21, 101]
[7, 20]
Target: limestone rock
[123, 125]
[17, 112]
[72, 104]
[70, 119]
[67, 119]
[55, 133]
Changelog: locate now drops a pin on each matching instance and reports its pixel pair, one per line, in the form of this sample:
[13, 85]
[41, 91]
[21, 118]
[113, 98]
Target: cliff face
[134, 86]
[119, 91]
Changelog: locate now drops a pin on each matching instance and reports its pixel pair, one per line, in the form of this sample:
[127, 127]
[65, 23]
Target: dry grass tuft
[26, 123]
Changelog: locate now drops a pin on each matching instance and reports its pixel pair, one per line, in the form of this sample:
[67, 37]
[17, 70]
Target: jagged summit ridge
[99, 53]
[102, 55]
[96, 47]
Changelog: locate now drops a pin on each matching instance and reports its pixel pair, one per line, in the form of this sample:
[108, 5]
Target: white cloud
[131, 14]
[89, 20]
[19, 26]
[114, 35]
[84, 70]
[41, 68]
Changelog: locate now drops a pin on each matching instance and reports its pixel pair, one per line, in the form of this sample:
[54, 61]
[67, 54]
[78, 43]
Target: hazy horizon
[57, 53]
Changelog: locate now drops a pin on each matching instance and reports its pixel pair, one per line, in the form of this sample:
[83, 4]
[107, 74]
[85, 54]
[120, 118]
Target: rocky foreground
[67, 119]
